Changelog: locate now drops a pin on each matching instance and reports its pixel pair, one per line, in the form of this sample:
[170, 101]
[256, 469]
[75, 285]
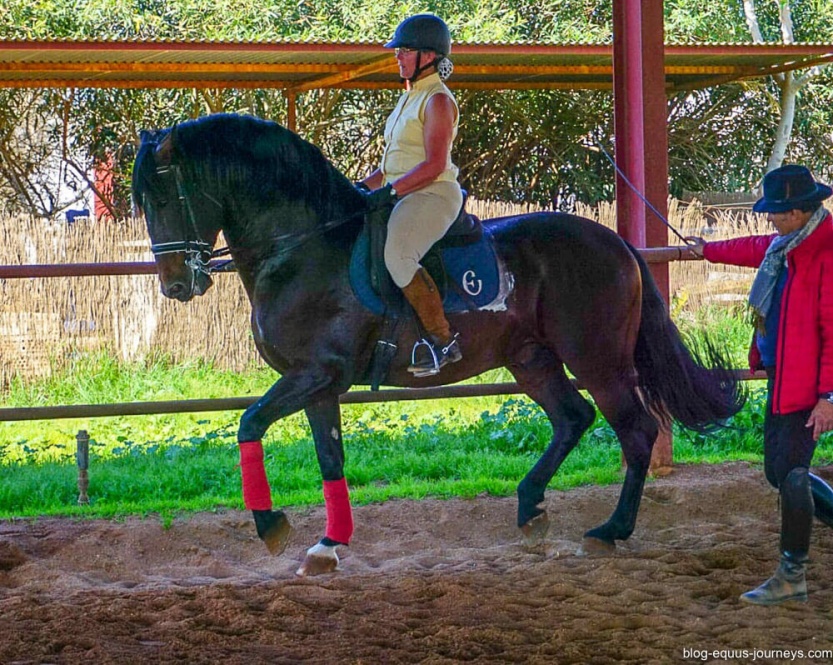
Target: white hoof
[320, 559]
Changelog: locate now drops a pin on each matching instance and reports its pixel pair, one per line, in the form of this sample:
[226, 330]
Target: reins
[317, 231]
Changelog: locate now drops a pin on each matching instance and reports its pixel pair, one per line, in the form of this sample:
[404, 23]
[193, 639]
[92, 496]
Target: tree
[39, 170]
[543, 147]
[788, 83]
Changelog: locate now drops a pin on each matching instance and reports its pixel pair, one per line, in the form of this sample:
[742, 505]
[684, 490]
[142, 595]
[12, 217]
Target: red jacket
[804, 354]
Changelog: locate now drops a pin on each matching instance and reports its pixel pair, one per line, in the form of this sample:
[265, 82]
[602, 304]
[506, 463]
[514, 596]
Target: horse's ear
[164, 150]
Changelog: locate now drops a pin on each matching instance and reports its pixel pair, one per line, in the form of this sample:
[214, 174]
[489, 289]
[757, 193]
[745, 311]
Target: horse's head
[174, 216]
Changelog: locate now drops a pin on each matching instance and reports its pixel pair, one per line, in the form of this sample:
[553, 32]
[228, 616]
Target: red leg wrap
[256, 494]
[339, 512]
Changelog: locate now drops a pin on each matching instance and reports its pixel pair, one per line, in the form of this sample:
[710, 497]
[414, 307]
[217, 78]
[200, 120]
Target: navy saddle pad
[469, 277]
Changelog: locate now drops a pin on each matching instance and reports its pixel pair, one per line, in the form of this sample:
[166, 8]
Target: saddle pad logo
[471, 284]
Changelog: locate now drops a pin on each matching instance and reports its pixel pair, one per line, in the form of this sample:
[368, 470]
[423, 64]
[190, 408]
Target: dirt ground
[423, 582]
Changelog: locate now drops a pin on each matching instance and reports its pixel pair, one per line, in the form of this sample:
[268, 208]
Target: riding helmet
[422, 31]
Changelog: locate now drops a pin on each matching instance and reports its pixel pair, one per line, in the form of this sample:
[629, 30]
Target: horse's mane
[262, 161]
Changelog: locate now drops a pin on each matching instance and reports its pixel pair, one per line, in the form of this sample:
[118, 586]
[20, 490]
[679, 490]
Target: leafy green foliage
[537, 147]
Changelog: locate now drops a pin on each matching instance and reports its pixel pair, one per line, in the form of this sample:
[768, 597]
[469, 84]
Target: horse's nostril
[175, 290]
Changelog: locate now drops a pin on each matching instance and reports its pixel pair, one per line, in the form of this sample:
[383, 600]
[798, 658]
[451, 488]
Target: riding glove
[379, 198]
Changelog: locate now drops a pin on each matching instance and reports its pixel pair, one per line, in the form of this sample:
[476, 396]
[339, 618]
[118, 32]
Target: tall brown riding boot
[789, 582]
[442, 347]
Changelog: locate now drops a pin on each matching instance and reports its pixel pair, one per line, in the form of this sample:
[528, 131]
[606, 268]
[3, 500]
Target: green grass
[169, 464]
[437, 448]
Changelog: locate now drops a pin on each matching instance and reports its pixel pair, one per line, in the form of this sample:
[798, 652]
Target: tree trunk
[789, 83]
[789, 90]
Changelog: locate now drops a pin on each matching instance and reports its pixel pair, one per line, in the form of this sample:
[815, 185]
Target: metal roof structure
[297, 66]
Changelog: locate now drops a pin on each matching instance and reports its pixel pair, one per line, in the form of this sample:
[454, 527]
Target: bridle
[198, 252]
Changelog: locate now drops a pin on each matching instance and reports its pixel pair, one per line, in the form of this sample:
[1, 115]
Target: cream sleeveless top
[404, 145]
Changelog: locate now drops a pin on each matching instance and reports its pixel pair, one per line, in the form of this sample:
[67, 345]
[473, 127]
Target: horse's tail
[697, 388]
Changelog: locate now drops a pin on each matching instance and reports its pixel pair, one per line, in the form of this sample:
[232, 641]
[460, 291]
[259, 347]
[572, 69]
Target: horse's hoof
[597, 546]
[274, 530]
[320, 560]
[535, 530]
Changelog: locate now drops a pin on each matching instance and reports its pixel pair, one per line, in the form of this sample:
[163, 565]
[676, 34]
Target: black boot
[822, 499]
[789, 582]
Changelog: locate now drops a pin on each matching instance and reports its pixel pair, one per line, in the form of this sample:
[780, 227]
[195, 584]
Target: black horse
[582, 299]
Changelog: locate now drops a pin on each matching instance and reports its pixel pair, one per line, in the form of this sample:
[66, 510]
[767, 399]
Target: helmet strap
[419, 69]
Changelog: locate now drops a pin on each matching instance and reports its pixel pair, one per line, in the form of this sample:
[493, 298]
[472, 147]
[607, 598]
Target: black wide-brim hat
[790, 187]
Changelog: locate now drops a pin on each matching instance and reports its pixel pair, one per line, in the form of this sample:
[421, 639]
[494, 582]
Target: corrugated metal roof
[304, 65]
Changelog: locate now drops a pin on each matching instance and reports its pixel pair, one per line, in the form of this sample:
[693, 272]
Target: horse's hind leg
[540, 374]
[637, 431]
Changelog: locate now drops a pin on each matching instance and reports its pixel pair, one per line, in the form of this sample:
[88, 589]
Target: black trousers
[788, 442]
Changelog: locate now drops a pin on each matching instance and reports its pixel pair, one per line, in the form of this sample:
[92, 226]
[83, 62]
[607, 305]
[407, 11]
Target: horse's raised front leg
[540, 374]
[287, 396]
[325, 422]
[637, 431]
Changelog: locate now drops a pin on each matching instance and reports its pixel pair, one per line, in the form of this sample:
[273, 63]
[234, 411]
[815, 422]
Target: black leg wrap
[822, 499]
[796, 515]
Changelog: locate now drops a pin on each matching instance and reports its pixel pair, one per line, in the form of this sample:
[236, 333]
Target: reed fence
[47, 322]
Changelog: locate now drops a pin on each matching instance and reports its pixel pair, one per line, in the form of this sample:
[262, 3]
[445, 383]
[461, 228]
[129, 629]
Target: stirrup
[431, 366]
[438, 358]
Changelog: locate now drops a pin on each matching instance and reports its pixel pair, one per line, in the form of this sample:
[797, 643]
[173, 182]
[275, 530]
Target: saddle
[463, 264]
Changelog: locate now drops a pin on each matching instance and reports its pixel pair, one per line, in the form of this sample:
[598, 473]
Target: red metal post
[640, 119]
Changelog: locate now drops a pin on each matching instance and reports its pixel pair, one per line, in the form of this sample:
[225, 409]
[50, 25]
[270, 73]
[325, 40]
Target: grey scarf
[763, 288]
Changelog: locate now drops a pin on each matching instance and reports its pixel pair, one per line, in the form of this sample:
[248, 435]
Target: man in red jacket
[792, 303]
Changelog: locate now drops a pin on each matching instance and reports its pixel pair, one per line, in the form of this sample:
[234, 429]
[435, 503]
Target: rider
[417, 174]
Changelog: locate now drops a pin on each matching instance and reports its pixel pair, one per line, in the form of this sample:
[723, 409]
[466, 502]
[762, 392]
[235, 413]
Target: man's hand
[821, 418]
[695, 246]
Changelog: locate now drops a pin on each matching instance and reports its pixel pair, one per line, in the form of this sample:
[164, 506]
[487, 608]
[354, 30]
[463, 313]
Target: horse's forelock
[155, 150]
[140, 180]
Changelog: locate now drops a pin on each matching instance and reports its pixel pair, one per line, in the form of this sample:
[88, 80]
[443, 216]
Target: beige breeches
[418, 221]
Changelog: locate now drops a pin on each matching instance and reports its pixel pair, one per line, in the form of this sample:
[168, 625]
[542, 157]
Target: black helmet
[423, 31]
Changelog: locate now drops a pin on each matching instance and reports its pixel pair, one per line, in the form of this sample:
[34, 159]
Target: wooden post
[82, 458]
[291, 112]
